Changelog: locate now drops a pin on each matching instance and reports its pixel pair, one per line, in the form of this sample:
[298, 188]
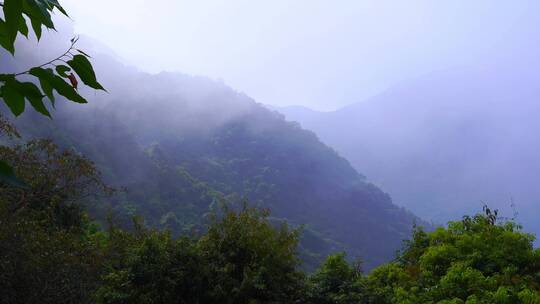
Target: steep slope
[446, 143]
[178, 144]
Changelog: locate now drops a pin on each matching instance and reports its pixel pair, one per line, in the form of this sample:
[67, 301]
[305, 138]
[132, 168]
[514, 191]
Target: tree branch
[71, 47]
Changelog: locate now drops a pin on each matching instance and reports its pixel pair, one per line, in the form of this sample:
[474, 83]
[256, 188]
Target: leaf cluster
[51, 77]
[15, 92]
[16, 13]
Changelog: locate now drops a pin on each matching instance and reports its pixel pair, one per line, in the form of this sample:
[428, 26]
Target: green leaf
[36, 26]
[5, 41]
[84, 69]
[38, 13]
[8, 176]
[47, 89]
[62, 69]
[6, 77]
[12, 97]
[23, 28]
[40, 10]
[12, 92]
[34, 96]
[80, 51]
[12, 13]
[58, 84]
[58, 6]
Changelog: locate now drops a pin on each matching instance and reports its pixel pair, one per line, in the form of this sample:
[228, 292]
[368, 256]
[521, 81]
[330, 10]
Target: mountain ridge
[180, 143]
[448, 142]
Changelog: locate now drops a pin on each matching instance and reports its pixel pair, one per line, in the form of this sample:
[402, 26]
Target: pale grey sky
[320, 54]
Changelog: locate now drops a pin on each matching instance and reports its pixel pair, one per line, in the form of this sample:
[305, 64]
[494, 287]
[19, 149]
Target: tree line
[52, 251]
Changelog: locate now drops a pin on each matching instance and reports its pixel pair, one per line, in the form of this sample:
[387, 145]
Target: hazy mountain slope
[179, 143]
[443, 144]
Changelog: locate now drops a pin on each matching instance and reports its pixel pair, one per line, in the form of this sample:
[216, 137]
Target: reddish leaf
[73, 80]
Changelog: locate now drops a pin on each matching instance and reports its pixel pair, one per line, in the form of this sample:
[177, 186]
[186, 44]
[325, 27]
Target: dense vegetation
[196, 141]
[175, 145]
[53, 252]
[55, 75]
[68, 237]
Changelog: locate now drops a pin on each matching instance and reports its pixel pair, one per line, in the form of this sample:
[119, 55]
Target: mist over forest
[119, 184]
[450, 141]
[185, 130]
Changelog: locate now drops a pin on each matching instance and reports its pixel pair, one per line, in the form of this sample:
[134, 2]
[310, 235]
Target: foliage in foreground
[476, 260]
[51, 252]
[51, 76]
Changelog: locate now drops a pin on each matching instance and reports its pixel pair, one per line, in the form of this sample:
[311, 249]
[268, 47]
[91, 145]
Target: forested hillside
[177, 144]
[169, 188]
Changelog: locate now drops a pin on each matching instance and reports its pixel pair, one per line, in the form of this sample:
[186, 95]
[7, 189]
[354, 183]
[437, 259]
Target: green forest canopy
[51, 252]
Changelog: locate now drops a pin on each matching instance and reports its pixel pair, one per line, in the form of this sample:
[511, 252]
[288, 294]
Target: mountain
[176, 145]
[446, 143]
[298, 113]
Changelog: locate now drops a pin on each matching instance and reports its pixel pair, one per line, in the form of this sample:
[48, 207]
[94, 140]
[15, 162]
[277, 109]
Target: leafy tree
[149, 266]
[57, 74]
[40, 264]
[241, 259]
[49, 249]
[251, 261]
[336, 282]
[480, 259]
